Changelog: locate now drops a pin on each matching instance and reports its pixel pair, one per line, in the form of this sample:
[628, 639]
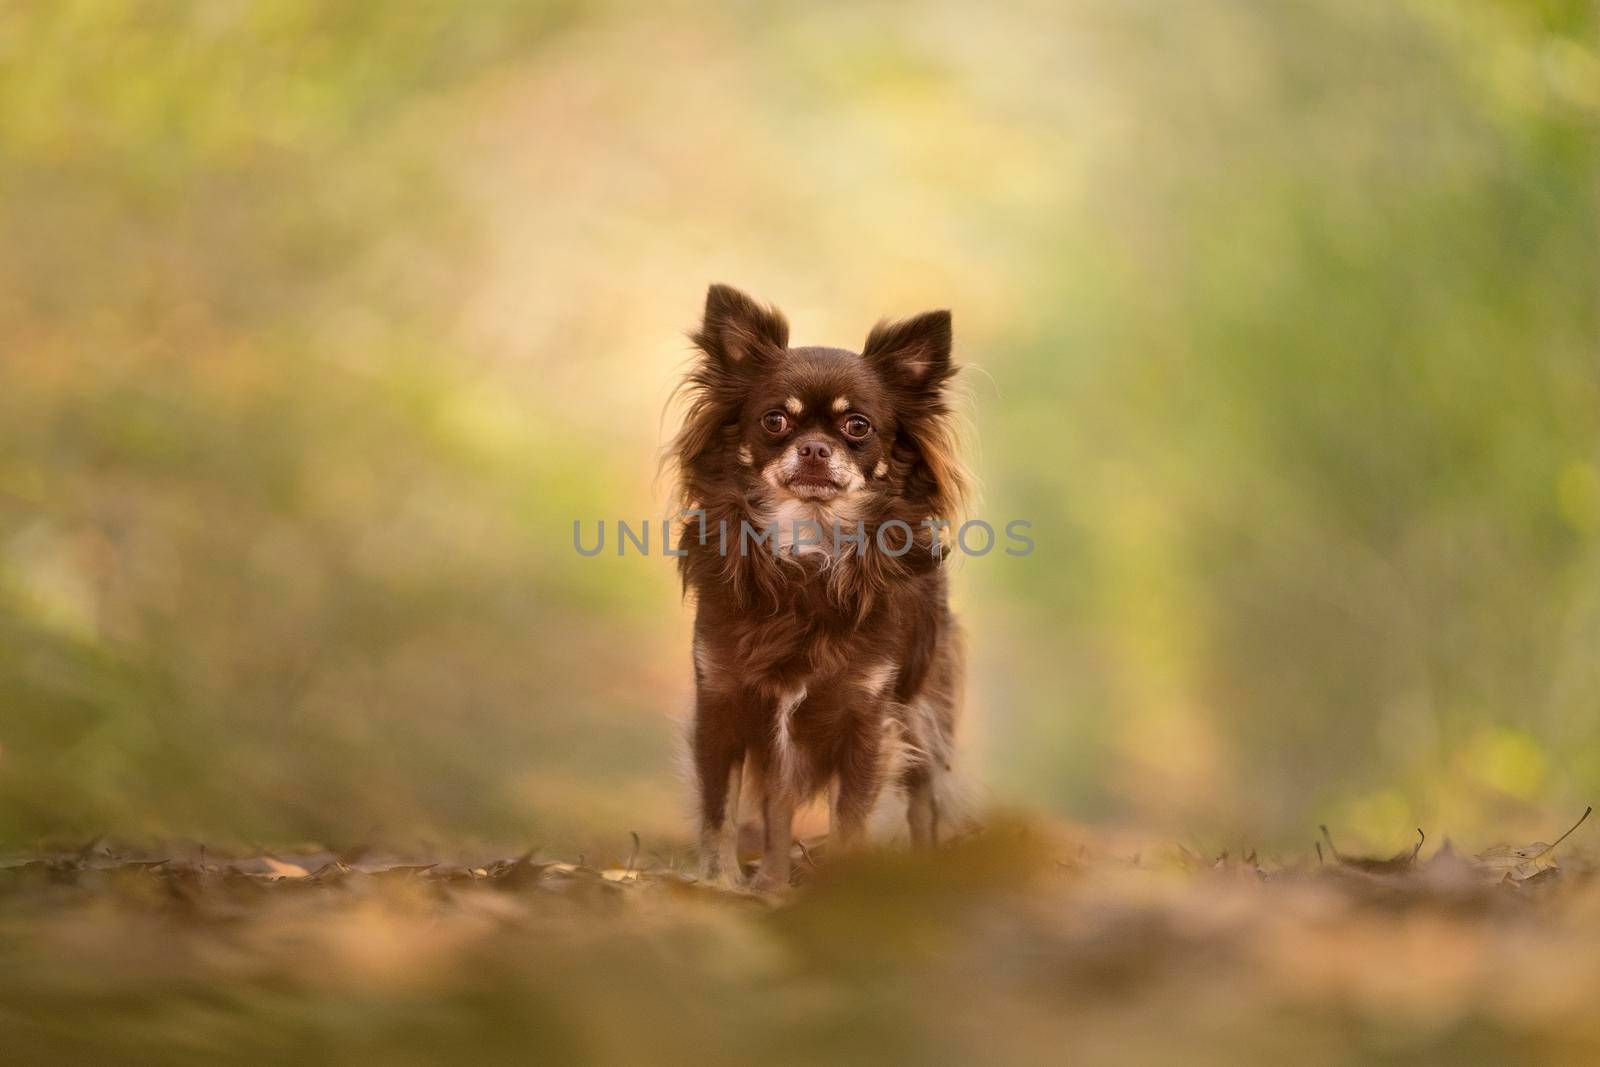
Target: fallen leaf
[401, 872]
[331, 872]
[1400, 861]
[1520, 864]
[285, 870]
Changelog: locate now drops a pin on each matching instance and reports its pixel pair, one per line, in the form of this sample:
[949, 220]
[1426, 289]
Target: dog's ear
[912, 354]
[913, 358]
[739, 334]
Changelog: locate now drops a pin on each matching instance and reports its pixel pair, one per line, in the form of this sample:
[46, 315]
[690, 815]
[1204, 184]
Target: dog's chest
[812, 529]
[807, 664]
[810, 642]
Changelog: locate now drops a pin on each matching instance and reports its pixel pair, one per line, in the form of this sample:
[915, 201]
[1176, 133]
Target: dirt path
[1020, 945]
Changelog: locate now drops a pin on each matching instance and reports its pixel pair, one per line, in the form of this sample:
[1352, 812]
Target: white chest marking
[783, 732]
[877, 677]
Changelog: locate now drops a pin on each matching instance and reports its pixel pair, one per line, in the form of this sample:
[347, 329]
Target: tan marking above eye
[793, 405]
[745, 455]
[841, 404]
[881, 469]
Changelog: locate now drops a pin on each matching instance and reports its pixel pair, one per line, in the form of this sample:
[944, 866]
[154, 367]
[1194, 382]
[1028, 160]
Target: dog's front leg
[719, 769]
[854, 790]
[777, 810]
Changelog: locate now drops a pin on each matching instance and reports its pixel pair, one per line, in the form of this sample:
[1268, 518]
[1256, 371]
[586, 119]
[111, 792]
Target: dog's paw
[769, 887]
[722, 877]
[774, 881]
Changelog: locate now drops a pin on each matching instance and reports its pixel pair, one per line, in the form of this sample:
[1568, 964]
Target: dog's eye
[857, 426]
[774, 422]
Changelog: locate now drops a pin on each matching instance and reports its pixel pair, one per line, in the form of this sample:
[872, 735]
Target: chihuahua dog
[816, 485]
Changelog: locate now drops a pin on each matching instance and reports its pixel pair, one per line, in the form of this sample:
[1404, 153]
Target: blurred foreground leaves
[1020, 945]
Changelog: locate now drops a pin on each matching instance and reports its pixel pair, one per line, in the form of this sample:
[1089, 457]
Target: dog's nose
[813, 450]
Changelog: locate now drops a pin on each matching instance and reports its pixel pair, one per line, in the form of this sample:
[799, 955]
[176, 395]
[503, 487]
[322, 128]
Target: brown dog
[817, 485]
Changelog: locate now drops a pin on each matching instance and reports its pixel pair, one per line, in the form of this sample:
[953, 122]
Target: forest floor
[1022, 944]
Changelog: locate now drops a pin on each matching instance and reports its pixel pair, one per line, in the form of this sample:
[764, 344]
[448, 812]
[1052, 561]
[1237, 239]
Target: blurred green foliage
[321, 323]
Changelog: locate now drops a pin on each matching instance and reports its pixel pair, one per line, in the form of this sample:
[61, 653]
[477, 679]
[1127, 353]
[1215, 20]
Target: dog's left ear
[914, 353]
[913, 358]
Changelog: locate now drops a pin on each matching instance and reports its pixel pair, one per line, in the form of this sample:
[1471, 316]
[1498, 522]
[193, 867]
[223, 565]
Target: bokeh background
[321, 323]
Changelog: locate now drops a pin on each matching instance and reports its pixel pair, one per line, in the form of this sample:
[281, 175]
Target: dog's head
[824, 425]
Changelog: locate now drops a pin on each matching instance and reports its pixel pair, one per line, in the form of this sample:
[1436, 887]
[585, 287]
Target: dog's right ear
[739, 334]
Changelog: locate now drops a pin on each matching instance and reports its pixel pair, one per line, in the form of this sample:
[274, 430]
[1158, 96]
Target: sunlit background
[321, 323]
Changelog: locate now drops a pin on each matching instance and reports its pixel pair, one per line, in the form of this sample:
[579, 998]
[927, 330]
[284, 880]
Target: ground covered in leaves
[1021, 944]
